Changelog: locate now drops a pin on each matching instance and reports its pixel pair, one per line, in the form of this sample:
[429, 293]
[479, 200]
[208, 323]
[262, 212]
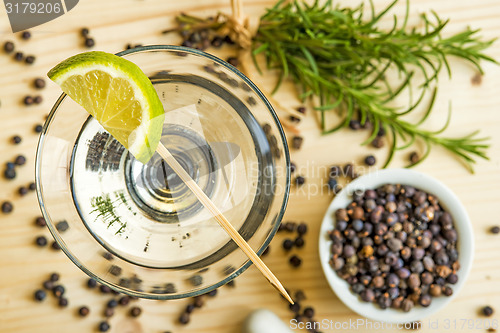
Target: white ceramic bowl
[449, 202]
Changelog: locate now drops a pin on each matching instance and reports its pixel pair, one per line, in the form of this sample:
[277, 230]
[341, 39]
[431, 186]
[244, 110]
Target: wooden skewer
[228, 227]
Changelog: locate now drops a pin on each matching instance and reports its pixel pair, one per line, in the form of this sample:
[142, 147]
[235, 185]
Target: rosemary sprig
[338, 56]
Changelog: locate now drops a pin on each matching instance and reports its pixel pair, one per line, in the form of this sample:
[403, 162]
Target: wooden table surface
[113, 24]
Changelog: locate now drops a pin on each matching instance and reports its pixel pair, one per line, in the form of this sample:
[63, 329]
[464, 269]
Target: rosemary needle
[335, 54]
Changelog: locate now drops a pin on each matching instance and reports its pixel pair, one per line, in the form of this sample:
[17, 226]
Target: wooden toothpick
[228, 227]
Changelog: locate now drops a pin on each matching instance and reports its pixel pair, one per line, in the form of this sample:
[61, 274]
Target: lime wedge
[118, 95]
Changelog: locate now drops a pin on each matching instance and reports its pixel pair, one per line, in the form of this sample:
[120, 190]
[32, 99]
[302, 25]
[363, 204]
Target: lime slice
[118, 95]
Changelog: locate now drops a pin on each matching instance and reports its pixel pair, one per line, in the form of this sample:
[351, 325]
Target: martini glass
[138, 228]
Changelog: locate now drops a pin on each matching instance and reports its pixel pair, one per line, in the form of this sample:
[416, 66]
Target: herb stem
[335, 54]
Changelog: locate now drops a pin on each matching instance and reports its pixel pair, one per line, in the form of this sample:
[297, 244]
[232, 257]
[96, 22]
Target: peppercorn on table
[27, 259]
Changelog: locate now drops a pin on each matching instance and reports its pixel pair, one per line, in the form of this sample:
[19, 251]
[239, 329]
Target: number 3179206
[33, 8]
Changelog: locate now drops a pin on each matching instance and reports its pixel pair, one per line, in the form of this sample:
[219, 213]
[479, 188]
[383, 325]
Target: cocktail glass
[137, 228]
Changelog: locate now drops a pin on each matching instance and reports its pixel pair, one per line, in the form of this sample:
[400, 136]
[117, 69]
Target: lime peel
[116, 93]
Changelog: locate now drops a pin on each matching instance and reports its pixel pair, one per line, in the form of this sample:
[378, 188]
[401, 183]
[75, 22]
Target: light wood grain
[113, 24]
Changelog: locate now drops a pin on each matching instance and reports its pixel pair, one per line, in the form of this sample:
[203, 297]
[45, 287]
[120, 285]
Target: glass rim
[148, 295]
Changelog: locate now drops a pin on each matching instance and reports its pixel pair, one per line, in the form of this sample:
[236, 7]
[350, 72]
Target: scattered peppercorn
[332, 184]
[10, 173]
[135, 311]
[55, 246]
[295, 307]
[300, 180]
[378, 142]
[26, 35]
[63, 302]
[233, 61]
[20, 160]
[16, 139]
[91, 283]
[22, 191]
[354, 124]
[104, 289]
[299, 242]
[89, 42]
[83, 311]
[39, 83]
[54, 277]
[413, 157]
[184, 318]
[302, 228]
[40, 295]
[124, 300]
[38, 128]
[103, 326]
[109, 312]
[309, 312]
[198, 302]
[49, 285]
[40, 221]
[297, 142]
[290, 226]
[30, 59]
[32, 186]
[299, 296]
[495, 229]
[287, 244]
[488, 311]
[293, 167]
[189, 308]
[58, 291]
[295, 261]
[41, 241]
[38, 99]
[370, 160]
[113, 303]
[28, 100]
[84, 32]
[18, 56]
[8, 47]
